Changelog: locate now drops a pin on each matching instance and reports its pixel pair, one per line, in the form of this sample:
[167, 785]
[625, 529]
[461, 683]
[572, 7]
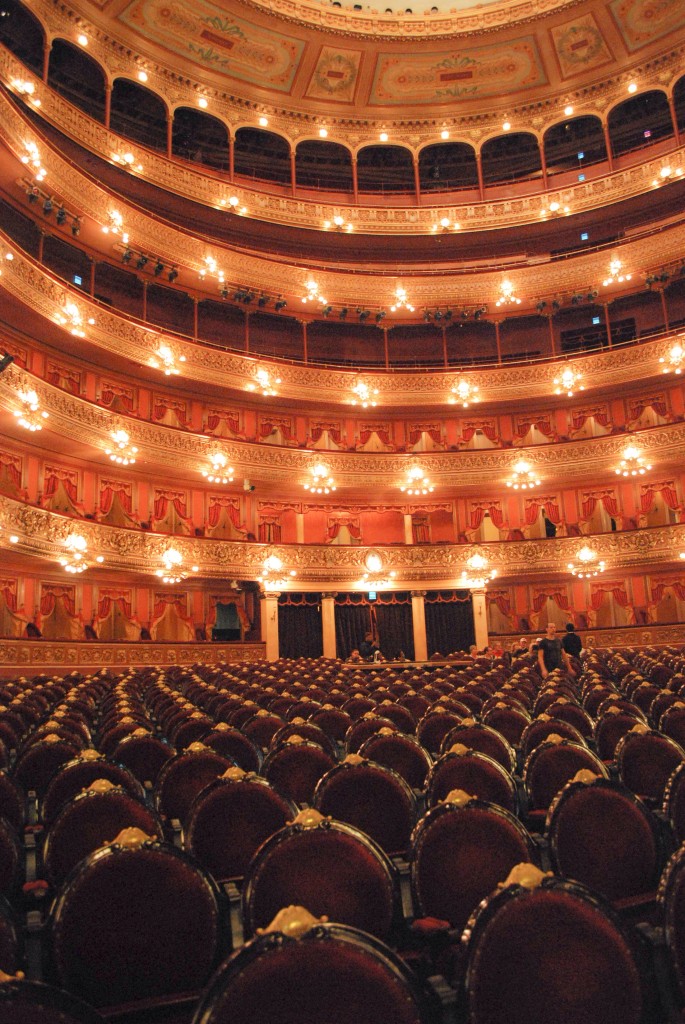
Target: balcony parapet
[41, 534]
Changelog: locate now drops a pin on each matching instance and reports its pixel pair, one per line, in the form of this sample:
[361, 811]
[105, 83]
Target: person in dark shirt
[571, 643]
[368, 648]
[550, 652]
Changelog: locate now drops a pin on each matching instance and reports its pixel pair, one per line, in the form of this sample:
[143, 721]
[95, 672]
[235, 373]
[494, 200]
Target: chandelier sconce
[401, 301]
[667, 173]
[211, 267]
[568, 382]
[674, 360]
[321, 481]
[122, 451]
[337, 223]
[71, 318]
[554, 209]
[30, 416]
[444, 225]
[172, 567]
[507, 295]
[75, 559]
[165, 359]
[616, 273]
[375, 578]
[464, 393]
[32, 160]
[273, 575]
[127, 161]
[364, 395]
[313, 293]
[632, 463]
[220, 472]
[523, 476]
[417, 482]
[115, 226]
[478, 574]
[232, 205]
[264, 383]
[26, 89]
[587, 564]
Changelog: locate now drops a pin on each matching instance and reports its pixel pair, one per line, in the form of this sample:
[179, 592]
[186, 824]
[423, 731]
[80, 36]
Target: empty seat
[229, 821]
[31, 1002]
[137, 922]
[460, 851]
[75, 776]
[330, 867]
[38, 762]
[144, 755]
[296, 766]
[645, 759]
[476, 774]
[371, 797]
[11, 859]
[232, 743]
[551, 765]
[541, 949]
[12, 801]
[184, 776]
[478, 736]
[403, 753]
[302, 969]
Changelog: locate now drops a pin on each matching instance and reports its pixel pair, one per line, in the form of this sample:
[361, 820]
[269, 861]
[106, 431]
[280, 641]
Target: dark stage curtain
[352, 623]
[395, 630]
[299, 626]
[449, 623]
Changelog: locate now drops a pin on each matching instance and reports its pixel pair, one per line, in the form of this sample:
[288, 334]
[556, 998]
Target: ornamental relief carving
[193, 184]
[111, 332]
[90, 424]
[43, 532]
[39, 653]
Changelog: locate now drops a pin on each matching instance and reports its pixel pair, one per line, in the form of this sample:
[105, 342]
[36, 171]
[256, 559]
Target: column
[299, 527]
[607, 143]
[408, 532]
[664, 308]
[550, 321]
[305, 342]
[293, 173]
[108, 103]
[498, 342]
[355, 181]
[480, 618]
[269, 620]
[418, 621]
[231, 158]
[328, 625]
[417, 181]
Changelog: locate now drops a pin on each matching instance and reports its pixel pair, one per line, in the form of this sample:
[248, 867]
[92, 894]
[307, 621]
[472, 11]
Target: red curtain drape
[164, 498]
[559, 598]
[649, 492]
[110, 392]
[11, 466]
[380, 432]
[50, 596]
[53, 478]
[318, 430]
[599, 590]
[269, 531]
[9, 593]
[108, 598]
[533, 506]
[109, 490]
[219, 502]
[478, 514]
[217, 416]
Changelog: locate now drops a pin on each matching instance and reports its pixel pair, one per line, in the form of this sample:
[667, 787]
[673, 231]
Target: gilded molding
[39, 655]
[192, 183]
[111, 332]
[625, 636]
[42, 533]
[186, 452]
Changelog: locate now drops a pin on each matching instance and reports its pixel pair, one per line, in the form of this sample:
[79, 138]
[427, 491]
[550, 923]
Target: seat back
[92, 819]
[329, 867]
[401, 752]
[476, 774]
[674, 802]
[77, 775]
[603, 836]
[551, 765]
[373, 798]
[484, 738]
[184, 776]
[229, 821]
[144, 755]
[232, 743]
[39, 761]
[574, 962]
[295, 768]
[316, 974]
[137, 921]
[460, 851]
[645, 759]
[31, 1002]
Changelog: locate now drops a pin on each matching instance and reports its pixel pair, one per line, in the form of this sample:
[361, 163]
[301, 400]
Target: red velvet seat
[11, 941]
[509, 721]
[551, 765]
[671, 897]
[308, 731]
[232, 743]
[12, 801]
[333, 721]
[262, 727]
[229, 821]
[610, 728]
[88, 821]
[602, 835]
[435, 725]
[326, 973]
[329, 867]
[295, 767]
[76, 775]
[364, 727]
[459, 853]
[136, 922]
[401, 752]
[645, 760]
[540, 728]
[38, 762]
[552, 953]
[11, 859]
[474, 772]
[183, 777]
[373, 798]
[144, 755]
[481, 737]
[673, 805]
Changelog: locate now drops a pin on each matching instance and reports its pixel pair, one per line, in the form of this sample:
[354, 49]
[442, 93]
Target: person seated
[32, 631]
[145, 634]
[368, 648]
[89, 631]
[355, 656]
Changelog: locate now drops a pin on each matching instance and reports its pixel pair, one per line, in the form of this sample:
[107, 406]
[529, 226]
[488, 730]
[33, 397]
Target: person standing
[571, 643]
[550, 652]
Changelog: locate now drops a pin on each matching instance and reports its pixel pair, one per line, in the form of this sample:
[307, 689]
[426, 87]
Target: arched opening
[511, 158]
[199, 137]
[574, 145]
[138, 114]
[639, 121]
[78, 78]
[23, 35]
[324, 165]
[679, 103]
[447, 166]
[385, 169]
[262, 155]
